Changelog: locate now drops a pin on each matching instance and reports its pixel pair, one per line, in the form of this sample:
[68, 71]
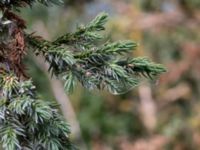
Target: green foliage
[78, 57]
[21, 3]
[26, 122]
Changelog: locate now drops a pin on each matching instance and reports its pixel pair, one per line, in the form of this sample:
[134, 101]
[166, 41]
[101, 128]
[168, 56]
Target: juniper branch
[26, 121]
[75, 57]
[24, 116]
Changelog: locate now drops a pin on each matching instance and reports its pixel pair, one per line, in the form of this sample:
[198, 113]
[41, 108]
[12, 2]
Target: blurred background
[154, 116]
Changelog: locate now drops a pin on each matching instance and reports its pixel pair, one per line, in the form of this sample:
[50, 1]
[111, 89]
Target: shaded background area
[153, 116]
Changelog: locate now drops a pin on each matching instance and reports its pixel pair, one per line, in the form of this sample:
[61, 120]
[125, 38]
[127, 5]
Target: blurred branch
[155, 142]
[157, 21]
[147, 107]
[171, 95]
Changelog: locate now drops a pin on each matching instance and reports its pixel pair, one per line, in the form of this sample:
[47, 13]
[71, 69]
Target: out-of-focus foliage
[76, 2]
[167, 117]
[13, 4]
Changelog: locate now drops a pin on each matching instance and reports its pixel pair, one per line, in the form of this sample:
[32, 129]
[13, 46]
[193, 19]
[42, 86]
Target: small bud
[7, 112]
[130, 65]
[88, 74]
